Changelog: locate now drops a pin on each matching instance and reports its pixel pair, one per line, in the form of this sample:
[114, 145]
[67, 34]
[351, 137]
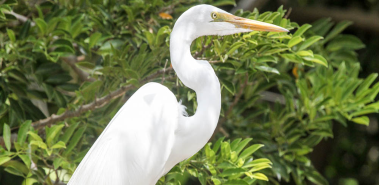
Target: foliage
[313, 70]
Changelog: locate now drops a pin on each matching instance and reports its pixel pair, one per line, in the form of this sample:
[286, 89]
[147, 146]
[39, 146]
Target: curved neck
[199, 76]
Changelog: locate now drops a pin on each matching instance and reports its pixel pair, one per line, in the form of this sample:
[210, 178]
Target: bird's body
[150, 134]
[137, 142]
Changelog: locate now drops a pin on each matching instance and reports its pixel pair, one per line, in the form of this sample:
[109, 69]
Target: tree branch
[199, 53]
[19, 17]
[99, 102]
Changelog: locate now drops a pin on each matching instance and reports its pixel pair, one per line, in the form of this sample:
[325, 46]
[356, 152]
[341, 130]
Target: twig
[164, 71]
[223, 131]
[71, 61]
[20, 17]
[199, 53]
[288, 13]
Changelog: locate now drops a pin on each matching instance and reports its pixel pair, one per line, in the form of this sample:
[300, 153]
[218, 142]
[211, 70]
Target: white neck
[195, 131]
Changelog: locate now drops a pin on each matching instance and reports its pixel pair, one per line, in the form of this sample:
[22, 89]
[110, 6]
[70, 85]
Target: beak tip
[283, 30]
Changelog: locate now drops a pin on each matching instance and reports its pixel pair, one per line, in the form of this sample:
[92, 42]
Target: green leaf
[364, 120]
[310, 41]
[216, 181]
[247, 152]
[41, 25]
[235, 46]
[11, 35]
[273, 51]
[202, 178]
[225, 65]
[26, 159]
[229, 86]
[209, 153]
[217, 144]
[225, 150]
[75, 139]
[150, 38]
[53, 132]
[162, 33]
[257, 162]
[18, 76]
[337, 30]
[231, 172]
[259, 176]
[48, 68]
[40, 144]
[60, 144]
[69, 87]
[234, 144]
[224, 3]
[10, 2]
[301, 30]
[293, 58]
[266, 59]
[7, 136]
[35, 136]
[267, 69]
[16, 168]
[373, 106]
[294, 41]
[345, 42]
[305, 53]
[57, 162]
[317, 59]
[29, 181]
[63, 42]
[235, 182]
[93, 39]
[242, 145]
[85, 64]
[58, 79]
[366, 84]
[14, 171]
[316, 178]
[22, 132]
[4, 159]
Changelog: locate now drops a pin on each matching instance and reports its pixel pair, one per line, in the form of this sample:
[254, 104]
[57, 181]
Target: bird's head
[204, 20]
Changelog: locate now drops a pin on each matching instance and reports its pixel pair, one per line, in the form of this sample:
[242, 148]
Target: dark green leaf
[22, 132]
[41, 25]
[308, 42]
[11, 35]
[267, 69]
[247, 152]
[301, 30]
[294, 41]
[7, 136]
[337, 30]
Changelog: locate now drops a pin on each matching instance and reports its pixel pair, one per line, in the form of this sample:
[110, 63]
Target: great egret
[150, 133]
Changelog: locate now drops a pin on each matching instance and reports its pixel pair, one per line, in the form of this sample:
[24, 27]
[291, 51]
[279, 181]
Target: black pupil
[214, 15]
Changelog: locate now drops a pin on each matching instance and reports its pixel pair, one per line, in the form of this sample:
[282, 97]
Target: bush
[67, 66]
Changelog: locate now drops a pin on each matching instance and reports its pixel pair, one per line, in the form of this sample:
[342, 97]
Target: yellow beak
[253, 25]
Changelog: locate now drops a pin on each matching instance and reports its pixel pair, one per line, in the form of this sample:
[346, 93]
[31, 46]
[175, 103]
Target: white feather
[137, 142]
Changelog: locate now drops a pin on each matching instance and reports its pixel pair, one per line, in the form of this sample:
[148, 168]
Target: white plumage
[149, 134]
[137, 142]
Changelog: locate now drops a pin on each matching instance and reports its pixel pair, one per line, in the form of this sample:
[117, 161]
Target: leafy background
[297, 108]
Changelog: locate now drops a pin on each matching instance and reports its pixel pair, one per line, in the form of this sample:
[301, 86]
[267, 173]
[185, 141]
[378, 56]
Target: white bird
[150, 133]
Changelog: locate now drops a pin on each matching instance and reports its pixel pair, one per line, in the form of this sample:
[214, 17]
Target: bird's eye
[214, 15]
